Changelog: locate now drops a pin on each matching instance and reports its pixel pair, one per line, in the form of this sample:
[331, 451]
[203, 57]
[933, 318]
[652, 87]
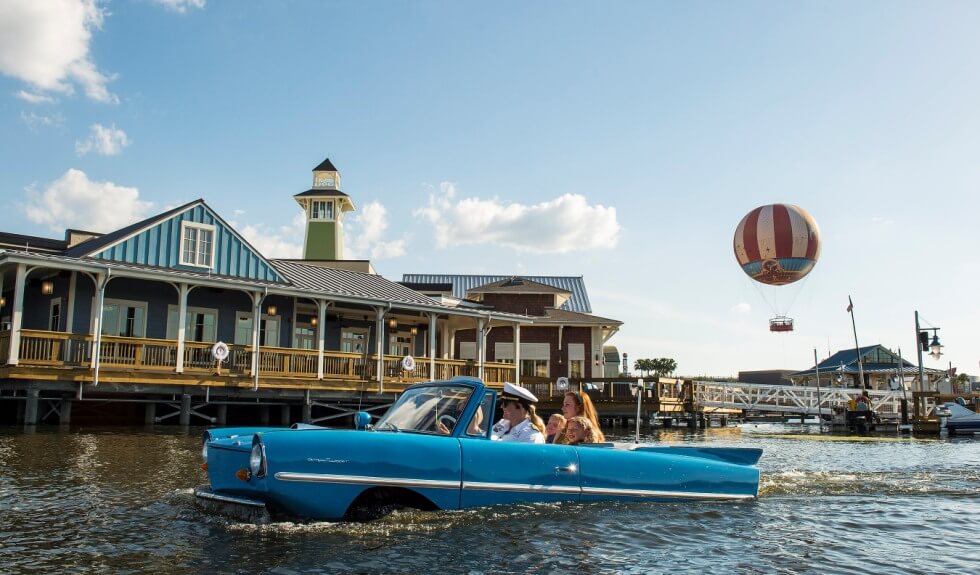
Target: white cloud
[33, 98]
[180, 6]
[364, 236]
[46, 44]
[35, 121]
[564, 224]
[741, 308]
[286, 242]
[105, 141]
[74, 201]
[882, 221]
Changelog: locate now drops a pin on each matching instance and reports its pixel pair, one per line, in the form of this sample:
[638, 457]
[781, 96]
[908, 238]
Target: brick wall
[547, 335]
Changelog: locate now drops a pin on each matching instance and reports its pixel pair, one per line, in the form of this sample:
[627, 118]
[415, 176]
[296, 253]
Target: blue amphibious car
[259, 474]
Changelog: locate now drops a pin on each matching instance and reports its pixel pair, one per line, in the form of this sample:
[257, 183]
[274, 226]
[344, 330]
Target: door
[497, 472]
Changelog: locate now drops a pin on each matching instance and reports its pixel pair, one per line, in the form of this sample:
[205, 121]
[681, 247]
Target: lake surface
[119, 500]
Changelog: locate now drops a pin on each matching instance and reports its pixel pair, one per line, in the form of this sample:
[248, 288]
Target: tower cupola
[325, 206]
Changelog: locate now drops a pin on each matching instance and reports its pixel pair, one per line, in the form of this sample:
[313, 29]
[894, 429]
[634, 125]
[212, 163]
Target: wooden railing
[4, 346]
[58, 349]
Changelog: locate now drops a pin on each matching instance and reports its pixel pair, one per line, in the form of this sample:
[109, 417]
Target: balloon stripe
[813, 245]
[782, 231]
[750, 237]
[764, 235]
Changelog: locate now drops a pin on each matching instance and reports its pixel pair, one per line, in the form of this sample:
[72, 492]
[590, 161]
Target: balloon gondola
[776, 245]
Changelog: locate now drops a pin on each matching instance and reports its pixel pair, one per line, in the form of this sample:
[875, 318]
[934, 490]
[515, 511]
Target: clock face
[324, 181]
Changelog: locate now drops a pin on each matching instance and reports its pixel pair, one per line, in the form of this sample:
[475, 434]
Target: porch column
[321, 326]
[17, 315]
[101, 281]
[480, 348]
[256, 322]
[561, 332]
[70, 306]
[379, 330]
[432, 347]
[181, 325]
[447, 347]
[517, 353]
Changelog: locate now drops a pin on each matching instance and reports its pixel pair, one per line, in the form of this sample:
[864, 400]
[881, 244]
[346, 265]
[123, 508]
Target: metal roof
[462, 283]
[348, 283]
[355, 287]
[848, 358]
[96, 244]
[566, 317]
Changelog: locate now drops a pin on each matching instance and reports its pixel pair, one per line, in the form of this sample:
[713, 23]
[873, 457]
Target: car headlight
[256, 460]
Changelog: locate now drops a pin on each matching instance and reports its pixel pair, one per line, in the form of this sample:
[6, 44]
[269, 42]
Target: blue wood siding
[160, 246]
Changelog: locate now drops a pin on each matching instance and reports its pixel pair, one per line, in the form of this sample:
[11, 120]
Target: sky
[619, 141]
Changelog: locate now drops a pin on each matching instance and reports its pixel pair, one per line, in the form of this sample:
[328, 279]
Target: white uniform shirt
[523, 432]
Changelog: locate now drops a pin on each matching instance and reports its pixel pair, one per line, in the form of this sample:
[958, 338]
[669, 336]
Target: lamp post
[626, 365]
[935, 350]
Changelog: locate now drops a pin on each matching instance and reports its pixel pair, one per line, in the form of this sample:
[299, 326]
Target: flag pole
[857, 349]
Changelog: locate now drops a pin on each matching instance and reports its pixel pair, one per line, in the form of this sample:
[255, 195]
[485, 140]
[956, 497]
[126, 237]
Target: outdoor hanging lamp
[47, 287]
[271, 310]
[393, 323]
[935, 348]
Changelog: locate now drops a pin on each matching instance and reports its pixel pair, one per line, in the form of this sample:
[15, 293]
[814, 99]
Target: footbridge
[793, 399]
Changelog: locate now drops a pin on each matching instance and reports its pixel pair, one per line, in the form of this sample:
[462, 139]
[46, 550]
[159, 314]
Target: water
[120, 501]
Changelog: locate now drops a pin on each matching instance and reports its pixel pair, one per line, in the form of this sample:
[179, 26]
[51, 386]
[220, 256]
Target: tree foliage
[659, 366]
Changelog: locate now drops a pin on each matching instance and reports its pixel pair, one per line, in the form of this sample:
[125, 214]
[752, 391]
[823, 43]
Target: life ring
[408, 363]
[220, 351]
[562, 383]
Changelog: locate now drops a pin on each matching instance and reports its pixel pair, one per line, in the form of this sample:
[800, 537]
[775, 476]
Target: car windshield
[423, 409]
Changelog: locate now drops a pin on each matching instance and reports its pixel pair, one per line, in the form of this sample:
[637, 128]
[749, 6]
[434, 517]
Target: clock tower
[325, 206]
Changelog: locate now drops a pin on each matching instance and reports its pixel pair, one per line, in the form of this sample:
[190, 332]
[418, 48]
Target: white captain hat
[518, 393]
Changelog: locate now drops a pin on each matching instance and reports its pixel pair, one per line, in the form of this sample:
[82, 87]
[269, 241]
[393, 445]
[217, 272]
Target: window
[481, 417]
[353, 339]
[268, 330]
[535, 357]
[201, 324]
[576, 360]
[123, 318]
[197, 244]
[401, 345]
[535, 367]
[322, 210]
[54, 315]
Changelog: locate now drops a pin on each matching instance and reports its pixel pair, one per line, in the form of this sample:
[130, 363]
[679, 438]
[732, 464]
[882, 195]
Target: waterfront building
[880, 366]
[565, 340]
[137, 314]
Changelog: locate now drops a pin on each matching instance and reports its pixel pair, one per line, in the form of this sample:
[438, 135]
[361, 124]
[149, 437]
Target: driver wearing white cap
[520, 422]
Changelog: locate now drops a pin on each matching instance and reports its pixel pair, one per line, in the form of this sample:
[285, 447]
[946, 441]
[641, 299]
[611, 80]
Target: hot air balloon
[776, 245]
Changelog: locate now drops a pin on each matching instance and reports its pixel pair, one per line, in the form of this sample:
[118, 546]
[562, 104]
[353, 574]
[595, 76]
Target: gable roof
[566, 317]
[325, 166]
[463, 283]
[848, 358]
[98, 244]
[156, 243]
[517, 284]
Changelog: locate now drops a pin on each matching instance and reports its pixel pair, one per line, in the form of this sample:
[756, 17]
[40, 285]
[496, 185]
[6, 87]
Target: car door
[497, 472]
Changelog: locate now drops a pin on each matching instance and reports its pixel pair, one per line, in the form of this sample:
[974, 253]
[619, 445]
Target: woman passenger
[578, 404]
[579, 430]
[555, 430]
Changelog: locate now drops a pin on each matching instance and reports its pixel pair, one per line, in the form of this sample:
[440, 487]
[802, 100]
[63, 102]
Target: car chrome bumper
[240, 508]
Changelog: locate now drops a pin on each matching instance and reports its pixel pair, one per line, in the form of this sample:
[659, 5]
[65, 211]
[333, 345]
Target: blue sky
[620, 141]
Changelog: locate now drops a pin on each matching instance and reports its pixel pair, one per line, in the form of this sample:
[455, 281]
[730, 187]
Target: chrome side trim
[228, 499]
[366, 480]
[521, 487]
[651, 493]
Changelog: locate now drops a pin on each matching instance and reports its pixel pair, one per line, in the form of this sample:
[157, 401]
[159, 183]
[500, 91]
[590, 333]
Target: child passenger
[580, 430]
[555, 430]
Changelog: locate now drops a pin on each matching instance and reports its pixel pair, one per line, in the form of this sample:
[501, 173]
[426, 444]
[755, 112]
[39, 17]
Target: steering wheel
[447, 420]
